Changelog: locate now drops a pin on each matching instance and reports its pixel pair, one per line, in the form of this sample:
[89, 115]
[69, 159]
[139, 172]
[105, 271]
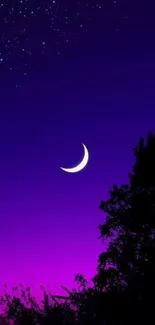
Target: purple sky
[104, 97]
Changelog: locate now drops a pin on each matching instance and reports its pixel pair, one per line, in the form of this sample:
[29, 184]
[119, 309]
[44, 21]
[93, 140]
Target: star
[34, 30]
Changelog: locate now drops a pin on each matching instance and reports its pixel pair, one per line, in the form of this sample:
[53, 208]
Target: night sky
[71, 72]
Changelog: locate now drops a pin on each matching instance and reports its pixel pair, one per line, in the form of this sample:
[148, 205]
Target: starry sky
[71, 72]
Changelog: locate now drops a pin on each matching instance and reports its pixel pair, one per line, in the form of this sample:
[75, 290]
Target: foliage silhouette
[124, 286]
[128, 265]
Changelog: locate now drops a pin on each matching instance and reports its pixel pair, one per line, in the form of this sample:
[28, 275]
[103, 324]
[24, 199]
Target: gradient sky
[101, 94]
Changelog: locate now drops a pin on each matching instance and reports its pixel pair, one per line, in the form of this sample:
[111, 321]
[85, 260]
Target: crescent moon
[82, 164]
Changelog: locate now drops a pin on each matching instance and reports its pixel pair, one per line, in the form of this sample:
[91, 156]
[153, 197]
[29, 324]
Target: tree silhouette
[128, 265]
